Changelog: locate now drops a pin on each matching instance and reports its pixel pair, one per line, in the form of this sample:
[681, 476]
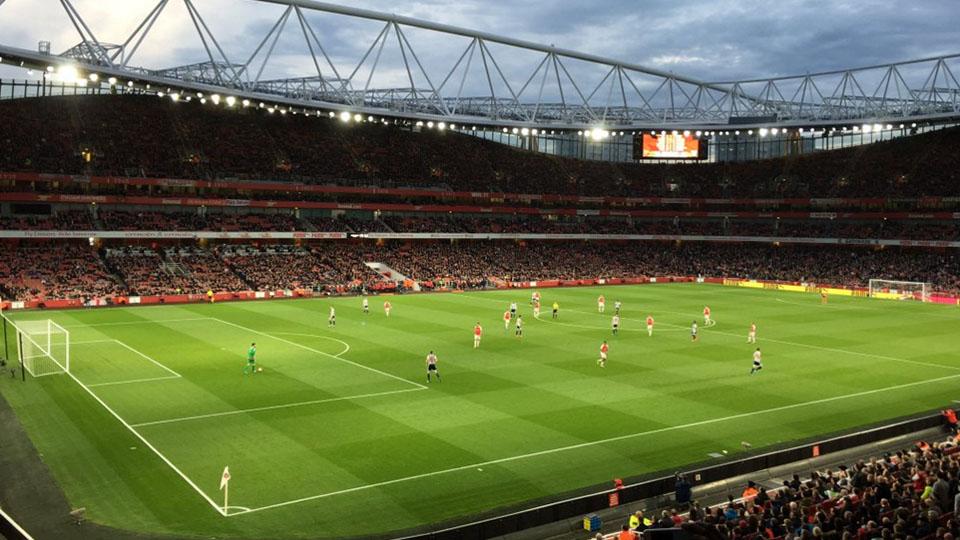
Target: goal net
[899, 290]
[43, 346]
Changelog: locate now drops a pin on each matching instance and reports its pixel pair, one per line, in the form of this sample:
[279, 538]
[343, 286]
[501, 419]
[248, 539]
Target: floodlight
[68, 73]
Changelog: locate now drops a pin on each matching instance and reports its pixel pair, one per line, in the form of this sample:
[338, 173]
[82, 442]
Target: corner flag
[225, 479]
[224, 486]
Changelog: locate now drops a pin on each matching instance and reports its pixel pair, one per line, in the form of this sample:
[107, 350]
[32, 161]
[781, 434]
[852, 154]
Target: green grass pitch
[342, 435]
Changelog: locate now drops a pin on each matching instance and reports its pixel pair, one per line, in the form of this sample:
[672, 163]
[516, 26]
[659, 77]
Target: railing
[27, 88]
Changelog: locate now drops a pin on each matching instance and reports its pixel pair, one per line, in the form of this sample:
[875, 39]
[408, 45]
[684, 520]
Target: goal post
[889, 289]
[42, 346]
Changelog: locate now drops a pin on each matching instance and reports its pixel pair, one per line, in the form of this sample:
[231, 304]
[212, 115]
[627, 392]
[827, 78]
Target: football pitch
[341, 435]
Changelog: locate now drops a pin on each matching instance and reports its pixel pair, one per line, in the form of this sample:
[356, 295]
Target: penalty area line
[128, 323]
[273, 407]
[132, 381]
[595, 443]
[142, 355]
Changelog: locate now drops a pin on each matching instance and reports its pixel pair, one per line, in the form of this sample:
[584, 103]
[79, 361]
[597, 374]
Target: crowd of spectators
[909, 494]
[123, 220]
[205, 270]
[75, 220]
[329, 268]
[53, 271]
[339, 266]
[145, 272]
[187, 140]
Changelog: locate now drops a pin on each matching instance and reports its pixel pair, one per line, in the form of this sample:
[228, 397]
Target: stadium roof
[561, 88]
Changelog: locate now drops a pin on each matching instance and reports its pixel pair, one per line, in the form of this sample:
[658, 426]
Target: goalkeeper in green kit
[251, 366]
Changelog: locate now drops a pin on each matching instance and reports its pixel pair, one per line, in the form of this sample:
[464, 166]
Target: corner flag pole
[6, 344]
[225, 486]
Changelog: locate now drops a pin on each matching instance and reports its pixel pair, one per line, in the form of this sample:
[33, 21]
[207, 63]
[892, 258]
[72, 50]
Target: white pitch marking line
[132, 381]
[91, 341]
[274, 407]
[127, 323]
[143, 439]
[811, 304]
[16, 525]
[602, 441]
[346, 346]
[311, 349]
[122, 344]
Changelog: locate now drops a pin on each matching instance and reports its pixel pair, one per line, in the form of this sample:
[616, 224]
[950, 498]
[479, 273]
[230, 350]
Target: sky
[712, 40]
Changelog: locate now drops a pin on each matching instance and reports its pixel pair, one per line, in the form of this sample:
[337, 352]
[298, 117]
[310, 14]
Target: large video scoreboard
[668, 146]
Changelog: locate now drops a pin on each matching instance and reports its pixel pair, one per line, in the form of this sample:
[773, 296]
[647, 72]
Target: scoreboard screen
[669, 146]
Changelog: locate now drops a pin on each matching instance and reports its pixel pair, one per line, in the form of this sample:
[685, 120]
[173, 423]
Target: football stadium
[288, 269]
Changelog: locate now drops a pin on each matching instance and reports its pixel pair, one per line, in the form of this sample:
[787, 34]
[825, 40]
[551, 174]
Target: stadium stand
[144, 272]
[206, 271]
[56, 272]
[191, 141]
[339, 267]
[909, 494]
[71, 220]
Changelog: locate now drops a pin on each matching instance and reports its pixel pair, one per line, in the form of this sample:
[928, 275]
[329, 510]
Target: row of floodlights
[68, 74]
[599, 134]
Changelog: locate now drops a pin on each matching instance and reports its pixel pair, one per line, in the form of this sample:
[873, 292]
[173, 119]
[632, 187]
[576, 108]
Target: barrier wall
[936, 298]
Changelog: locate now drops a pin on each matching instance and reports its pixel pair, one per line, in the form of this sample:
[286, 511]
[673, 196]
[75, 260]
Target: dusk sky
[711, 40]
